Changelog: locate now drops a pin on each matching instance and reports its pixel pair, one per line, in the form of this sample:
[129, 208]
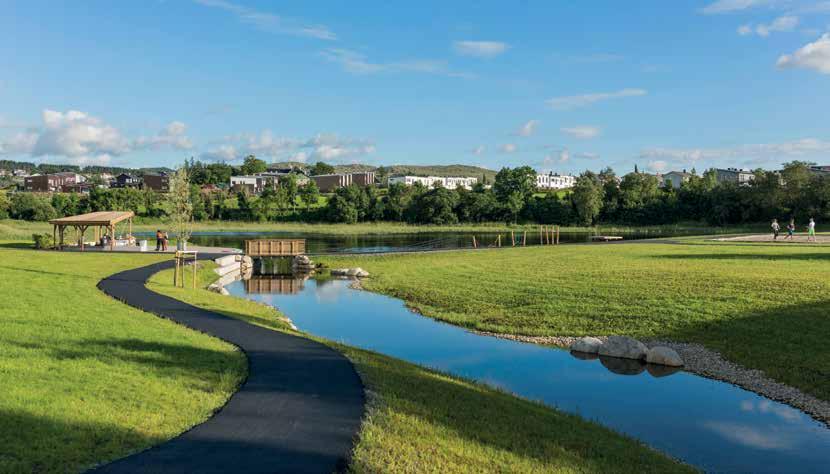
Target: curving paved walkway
[298, 411]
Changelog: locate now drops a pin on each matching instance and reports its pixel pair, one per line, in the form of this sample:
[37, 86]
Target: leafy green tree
[253, 165]
[398, 197]
[181, 205]
[30, 207]
[289, 186]
[587, 198]
[340, 209]
[5, 204]
[309, 193]
[320, 168]
[436, 206]
[520, 180]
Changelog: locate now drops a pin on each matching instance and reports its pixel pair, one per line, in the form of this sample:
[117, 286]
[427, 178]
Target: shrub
[43, 241]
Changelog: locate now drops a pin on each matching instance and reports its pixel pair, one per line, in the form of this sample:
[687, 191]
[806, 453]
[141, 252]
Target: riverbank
[89, 379]
[425, 421]
[760, 306]
[15, 229]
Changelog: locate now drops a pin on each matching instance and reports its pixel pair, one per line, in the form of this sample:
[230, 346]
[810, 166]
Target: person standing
[775, 229]
[790, 230]
[811, 231]
[159, 240]
[164, 240]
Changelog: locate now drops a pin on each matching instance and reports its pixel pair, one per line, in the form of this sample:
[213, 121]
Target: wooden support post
[541, 241]
[499, 240]
[130, 235]
[82, 229]
[55, 236]
[512, 239]
[475, 245]
[61, 230]
[557, 235]
[524, 239]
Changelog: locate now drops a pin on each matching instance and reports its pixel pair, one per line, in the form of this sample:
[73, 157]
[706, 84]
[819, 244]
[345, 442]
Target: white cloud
[77, 136]
[557, 157]
[20, 143]
[583, 100]
[750, 436]
[528, 128]
[479, 150]
[780, 24]
[658, 166]
[357, 63]
[270, 22]
[730, 6]
[173, 135]
[584, 132]
[480, 49]
[757, 153]
[815, 55]
[265, 145]
[587, 156]
[508, 148]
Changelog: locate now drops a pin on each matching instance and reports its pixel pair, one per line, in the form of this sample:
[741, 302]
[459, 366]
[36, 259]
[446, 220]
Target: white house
[450, 182]
[555, 181]
[675, 179]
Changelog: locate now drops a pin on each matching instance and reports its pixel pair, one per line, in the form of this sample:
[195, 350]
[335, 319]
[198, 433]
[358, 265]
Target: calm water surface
[328, 243]
[712, 425]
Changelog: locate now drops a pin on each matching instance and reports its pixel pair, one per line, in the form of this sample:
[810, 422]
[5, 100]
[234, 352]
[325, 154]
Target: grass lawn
[86, 379]
[423, 421]
[763, 306]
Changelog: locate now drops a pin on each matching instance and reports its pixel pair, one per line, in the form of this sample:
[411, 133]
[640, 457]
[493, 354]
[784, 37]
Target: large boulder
[339, 271]
[588, 345]
[664, 356]
[226, 260]
[225, 269]
[624, 347]
[357, 272]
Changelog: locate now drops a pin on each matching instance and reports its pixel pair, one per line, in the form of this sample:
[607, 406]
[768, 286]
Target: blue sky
[561, 86]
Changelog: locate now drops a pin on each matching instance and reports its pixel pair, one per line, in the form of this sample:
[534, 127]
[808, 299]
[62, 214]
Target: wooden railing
[274, 247]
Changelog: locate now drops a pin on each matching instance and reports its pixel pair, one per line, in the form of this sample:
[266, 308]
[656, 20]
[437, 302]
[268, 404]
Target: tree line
[796, 192]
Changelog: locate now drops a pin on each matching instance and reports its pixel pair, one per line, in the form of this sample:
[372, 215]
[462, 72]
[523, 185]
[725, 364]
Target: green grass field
[423, 421]
[86, 379]
[763, 306]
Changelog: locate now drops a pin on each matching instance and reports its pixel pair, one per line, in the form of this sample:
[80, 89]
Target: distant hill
[394, 170]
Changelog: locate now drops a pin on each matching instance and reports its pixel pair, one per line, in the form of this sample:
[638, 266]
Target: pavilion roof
[94, 218]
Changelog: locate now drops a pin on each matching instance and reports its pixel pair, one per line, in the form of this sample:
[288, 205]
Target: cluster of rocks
[628, 348]
[230, 269]
[350, 272]
[302, 264]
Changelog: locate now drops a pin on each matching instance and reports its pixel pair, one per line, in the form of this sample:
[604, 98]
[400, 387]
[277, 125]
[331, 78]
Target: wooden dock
[605, 238]
[274, 247]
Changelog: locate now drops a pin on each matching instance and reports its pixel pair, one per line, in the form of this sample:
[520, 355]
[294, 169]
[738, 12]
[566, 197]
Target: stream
[713, 425]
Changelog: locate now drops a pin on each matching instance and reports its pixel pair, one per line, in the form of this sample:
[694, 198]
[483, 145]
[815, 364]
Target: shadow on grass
[32, 443]
[17, 245]
[788, 342]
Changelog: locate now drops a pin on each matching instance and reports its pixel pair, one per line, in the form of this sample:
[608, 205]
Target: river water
[713, 425]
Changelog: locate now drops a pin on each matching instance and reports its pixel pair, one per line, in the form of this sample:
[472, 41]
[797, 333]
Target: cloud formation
[479, 150]
[480, 49]
[508, 148]
[324, 146]
[583, 100]
[528, 129]
[584, 132]
[357, 63]
[753, 152]
[731, 6]
[815, 55]
[85, 139]
[781, 24]
[270, 22]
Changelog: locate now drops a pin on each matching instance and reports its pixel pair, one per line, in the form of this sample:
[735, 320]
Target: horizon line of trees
[597, 198]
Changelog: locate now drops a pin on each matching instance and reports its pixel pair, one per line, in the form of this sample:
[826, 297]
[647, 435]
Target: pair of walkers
[161, 241]
[811, 230]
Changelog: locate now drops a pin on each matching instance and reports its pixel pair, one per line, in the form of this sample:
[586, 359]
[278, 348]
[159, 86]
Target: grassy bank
[423, 421]
[86, 379]
[760, 305]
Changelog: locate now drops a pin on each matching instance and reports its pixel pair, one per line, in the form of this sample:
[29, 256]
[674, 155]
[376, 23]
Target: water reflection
[275, 284]
[710, 424]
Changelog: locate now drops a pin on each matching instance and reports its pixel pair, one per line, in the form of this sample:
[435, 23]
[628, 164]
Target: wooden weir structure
[274, 247]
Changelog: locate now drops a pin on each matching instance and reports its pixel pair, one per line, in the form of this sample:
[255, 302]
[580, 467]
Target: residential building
[125, 180]
[157, 182]
[329, 182]
[48, 183]
[555, 181]
[734, 175]
[364, 179]
[449, 182]
[253, 184]
[822, 169]
[20, 173]
[675, 179]
[84, 187]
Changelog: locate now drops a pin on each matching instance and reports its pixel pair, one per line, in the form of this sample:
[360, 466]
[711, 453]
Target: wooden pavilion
[103, 222]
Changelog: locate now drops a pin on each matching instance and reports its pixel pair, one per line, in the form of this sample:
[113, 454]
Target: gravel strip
[710, 364]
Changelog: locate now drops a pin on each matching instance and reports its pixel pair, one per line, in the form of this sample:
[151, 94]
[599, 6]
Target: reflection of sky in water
[709, 424]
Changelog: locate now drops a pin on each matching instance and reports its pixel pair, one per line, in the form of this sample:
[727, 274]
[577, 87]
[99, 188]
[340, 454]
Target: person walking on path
[164, 240]
[811, 231]
[775, 229]
[790, 230]
[159, 240]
